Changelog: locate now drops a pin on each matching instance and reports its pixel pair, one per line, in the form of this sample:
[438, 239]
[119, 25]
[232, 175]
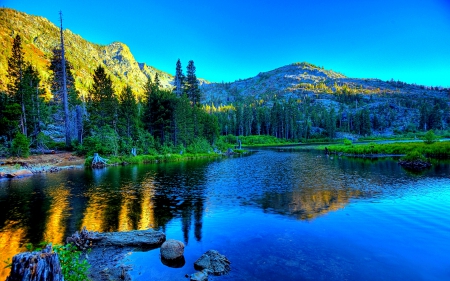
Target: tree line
[107, 121]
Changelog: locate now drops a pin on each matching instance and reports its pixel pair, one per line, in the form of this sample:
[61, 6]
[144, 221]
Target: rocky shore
[35, 164]
[106, 252]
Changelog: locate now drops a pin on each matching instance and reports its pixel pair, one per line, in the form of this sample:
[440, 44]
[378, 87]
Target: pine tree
[156, 82]
[128, 113]
[16, 66]
[102, 105]
[192, 85]
[65, 95]
[179, 80]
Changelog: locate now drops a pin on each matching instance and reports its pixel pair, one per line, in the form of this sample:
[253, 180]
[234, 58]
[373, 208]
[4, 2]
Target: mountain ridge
[40, 36]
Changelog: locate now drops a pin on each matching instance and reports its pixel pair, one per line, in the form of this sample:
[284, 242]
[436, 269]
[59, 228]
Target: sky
[406, 40]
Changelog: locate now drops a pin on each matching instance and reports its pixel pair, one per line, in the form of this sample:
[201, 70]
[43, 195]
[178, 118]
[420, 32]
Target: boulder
[199, 276]
[20, 174]
[172, 249]
[213, 262]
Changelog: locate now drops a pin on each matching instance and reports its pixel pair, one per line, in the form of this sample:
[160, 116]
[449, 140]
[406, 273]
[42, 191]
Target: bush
[20, 146]
[72, 266]
[430, 137]
[347, 142]
[413, 156]
[200, 145]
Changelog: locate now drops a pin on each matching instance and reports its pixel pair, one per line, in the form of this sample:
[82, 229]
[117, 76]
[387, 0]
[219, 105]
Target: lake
[277, 214]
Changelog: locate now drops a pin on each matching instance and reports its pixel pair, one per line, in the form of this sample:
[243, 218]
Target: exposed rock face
[172, 249]
[36, 266]
[40, 36]
[214, 262]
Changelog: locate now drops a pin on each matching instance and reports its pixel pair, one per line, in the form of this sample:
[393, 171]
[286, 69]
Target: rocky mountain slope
[40, 36]
[304, 79]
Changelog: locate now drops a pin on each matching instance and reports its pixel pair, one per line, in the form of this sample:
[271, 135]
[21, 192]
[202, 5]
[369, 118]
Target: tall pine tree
[179, 80]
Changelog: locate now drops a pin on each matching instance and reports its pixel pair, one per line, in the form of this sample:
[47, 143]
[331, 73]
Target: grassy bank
[143, 159]
[440, 150]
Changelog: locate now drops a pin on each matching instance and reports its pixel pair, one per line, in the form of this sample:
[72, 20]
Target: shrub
[20, 146]
[200, 145]
[72, 266]
[414, 156]
[430, 137]
[347, 142]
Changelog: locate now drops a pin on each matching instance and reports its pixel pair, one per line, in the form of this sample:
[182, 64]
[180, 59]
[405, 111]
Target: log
[148, 239]
[36, 266]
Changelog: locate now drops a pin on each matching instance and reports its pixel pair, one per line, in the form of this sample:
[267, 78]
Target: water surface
[276, 215]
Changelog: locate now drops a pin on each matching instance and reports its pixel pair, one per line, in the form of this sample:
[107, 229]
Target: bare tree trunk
[65, 96]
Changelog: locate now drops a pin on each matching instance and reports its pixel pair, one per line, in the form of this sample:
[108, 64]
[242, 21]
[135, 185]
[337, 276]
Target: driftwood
[137, 238]
[98, 162]
[36, 266]
[83, 240]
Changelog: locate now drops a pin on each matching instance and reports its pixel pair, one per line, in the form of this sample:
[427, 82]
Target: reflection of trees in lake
[136, 197]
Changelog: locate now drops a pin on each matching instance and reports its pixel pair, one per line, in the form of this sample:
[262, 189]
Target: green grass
[439, 150]
[143, 159]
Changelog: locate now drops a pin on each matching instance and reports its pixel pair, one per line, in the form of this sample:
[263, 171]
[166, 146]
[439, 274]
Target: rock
[20, 174]
[35, 266]
[214, 262]
[2, 175]
[417, 165]
[148, 239]
[172, 249]
[175, 263]
[199, 276]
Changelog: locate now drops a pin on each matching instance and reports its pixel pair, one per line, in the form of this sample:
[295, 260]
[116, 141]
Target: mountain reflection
[309, 203]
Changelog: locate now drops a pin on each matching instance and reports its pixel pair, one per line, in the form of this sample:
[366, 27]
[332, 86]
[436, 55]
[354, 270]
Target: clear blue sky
[407, 40]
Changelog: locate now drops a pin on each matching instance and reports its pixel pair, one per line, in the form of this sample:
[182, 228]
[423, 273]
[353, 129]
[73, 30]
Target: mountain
[391, 105]
[298, 80]
[40, 36]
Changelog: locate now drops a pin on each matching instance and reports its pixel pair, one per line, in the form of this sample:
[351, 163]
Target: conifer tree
[192, 85]
[128, 113]
[102, 106]
[179, 80]
[16, 66]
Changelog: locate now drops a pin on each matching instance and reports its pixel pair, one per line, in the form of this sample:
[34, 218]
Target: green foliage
[104, 142]
[438, 150]
[73, 267]
[20, 146]
[413, 156]
[430, 137]
[347, 142]
[198, 146]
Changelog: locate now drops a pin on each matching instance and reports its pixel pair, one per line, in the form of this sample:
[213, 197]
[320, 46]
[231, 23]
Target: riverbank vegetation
[439, 150]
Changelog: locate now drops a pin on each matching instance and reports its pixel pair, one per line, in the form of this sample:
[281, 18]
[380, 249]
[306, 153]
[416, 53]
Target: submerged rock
[172, 249]
[19, 174]
[414, 165]
[199, 276]
[213, 262]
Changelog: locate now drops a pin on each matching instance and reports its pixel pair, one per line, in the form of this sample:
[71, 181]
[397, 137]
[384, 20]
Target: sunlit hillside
[40, 36]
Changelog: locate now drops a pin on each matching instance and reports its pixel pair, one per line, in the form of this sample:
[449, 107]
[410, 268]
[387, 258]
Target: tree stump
[36, 266]
[98, 162]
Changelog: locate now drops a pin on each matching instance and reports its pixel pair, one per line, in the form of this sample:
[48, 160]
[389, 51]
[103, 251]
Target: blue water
[276, 215]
